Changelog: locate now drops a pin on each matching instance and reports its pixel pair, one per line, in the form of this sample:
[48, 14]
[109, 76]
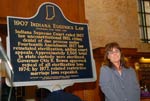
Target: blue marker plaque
[48, 48]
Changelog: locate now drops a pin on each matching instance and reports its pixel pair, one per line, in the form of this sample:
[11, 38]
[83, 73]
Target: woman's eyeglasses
[115, 51]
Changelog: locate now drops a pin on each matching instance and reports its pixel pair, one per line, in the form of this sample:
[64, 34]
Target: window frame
[144, 20]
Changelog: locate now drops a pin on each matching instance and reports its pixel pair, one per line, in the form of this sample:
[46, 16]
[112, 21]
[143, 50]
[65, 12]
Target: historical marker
[48, 48]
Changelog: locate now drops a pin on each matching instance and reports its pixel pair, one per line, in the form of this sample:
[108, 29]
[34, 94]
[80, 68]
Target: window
[144, 19]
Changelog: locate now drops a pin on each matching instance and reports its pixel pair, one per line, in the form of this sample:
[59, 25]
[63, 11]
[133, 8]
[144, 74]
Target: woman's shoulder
[105, 72]
[130, 69]
[105, 68]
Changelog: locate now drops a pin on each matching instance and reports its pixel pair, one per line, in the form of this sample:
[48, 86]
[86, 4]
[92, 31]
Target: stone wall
[114, 20]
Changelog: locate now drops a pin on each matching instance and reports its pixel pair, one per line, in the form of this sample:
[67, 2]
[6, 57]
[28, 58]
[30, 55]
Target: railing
[5, 71]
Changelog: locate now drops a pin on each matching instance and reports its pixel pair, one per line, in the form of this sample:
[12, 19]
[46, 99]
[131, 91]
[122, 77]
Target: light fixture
[144, 60]
[137, 65]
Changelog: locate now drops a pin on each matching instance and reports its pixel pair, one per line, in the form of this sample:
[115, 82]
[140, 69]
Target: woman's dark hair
[109, 47]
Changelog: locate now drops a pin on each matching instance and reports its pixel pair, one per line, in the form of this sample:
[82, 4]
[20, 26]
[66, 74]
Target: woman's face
[114, 55]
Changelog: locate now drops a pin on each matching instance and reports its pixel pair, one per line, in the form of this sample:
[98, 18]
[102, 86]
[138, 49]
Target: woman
[118, 82]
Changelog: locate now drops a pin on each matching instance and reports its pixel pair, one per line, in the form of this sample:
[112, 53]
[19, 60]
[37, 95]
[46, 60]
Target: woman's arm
[105, 84]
